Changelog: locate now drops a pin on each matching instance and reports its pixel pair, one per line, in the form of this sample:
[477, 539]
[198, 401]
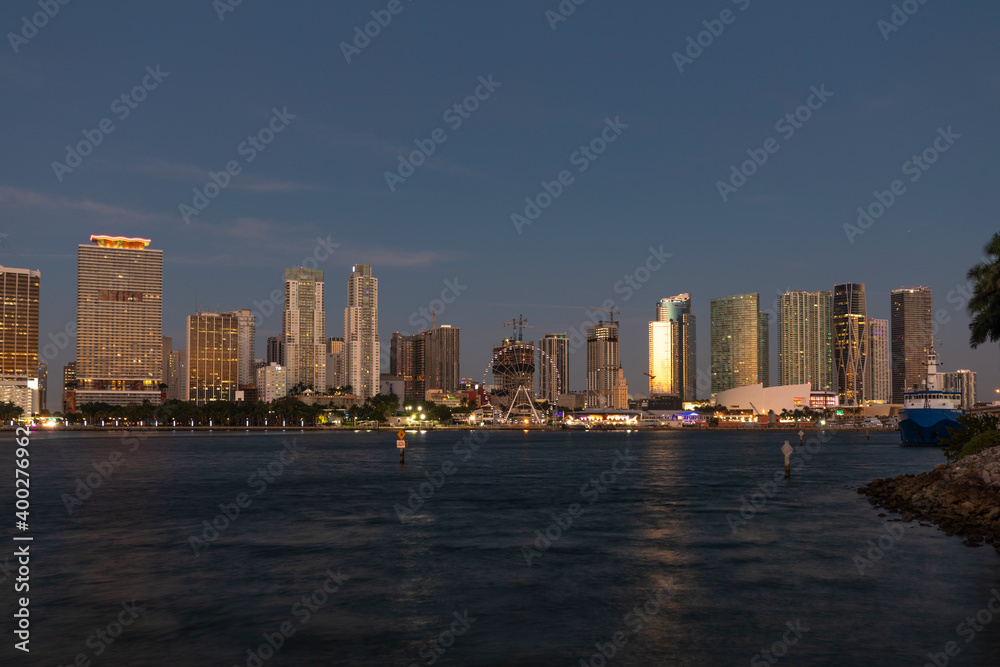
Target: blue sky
[323, 175]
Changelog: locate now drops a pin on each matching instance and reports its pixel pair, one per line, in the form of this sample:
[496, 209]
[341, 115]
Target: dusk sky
[887, 96]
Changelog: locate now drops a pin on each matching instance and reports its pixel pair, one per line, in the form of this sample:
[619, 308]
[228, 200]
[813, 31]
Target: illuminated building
[19, 363]
[553, 376]
[740, 349]
[69, 384]
[43, 385]
[361, 343]
[272, 382]
[441, 358]
[878, 347]
[176, 378]
[850, 343]
[246, 332]
[406, 360]
[912, 338]
[621, 391]
[672, 350]
[335, 362]
[213, 357]
[303, 328]
[602, 364]
[275, 353]
[965, 382]
[805, 339]
[119, 309]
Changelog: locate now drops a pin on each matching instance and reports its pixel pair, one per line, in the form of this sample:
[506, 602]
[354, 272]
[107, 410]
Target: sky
[622, 122]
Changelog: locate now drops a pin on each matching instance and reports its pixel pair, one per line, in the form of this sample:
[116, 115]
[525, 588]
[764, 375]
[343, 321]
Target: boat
[930, 411]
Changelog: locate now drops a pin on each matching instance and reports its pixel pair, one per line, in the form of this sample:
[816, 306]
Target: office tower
[246, 333]
[740, 348]
[276, 350]
[878, 348]
[553, 376]
[69, 384]
[963, 381]
[272, 382]
[850, 343]
[19, 293]
[361, 345]
[602, 364]
[805, 339]
[912, 338]
[406, 360]
[672, 357]
[176, 378]
[303, 328]
[43, 386]
[118, 316]
[621, 391]
[441, 358]
[335, 362]
[213, 357]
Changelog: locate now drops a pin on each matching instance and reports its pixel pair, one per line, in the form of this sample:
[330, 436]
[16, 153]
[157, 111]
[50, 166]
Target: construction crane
[609, 312]
[519, 325]
[651, 377]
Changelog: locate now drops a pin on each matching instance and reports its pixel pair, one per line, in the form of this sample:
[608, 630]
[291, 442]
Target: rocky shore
[962, 498]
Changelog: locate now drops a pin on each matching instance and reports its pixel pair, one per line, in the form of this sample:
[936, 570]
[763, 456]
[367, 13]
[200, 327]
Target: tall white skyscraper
[878, 348]
[805, 339]
[361, 344]
[303, 328]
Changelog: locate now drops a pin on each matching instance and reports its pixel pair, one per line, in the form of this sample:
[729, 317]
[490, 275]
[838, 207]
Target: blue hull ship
[928, 413]
[927, 426]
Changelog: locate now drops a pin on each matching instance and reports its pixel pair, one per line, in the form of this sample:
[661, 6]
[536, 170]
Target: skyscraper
[335, 362]
[672, 357]
[69, 384]
[805, 339]
[441, 358]
[912, 338]
[602, 364]
[275, 353]
[965, 382]
[43, 385]
[621, 391]
[850, 342]
[303, 328]
[213, 357]
[878, 347]
[553, 374]
[361, 344]
[19, 293]
[118, 315]
[246, 332]
[406, 360]
[740, 347]
[166, 350]
[176, 378]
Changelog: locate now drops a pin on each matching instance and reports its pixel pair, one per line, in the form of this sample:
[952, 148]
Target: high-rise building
[176, 378]
[805, 339]
[602, 364]
[850, 343]
[19, 293]
[878, 348]
[165, 351]
[275, 350]
[406, 360]
[553, 374]
[43, 385]
[740, 347]
[441, 358]
[272, 382]
[912, 338]
[303, 328]
[965, 382]
[118, 321]
[335, 362]
[213, 357]
[247, 334]
[69, 384]
[672, 350]
[361, 344]
[621, 391]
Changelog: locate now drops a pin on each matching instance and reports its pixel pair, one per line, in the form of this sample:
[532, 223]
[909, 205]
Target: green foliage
[377, 408]
[9, 410]
[959, 444]
[980, 442]
[984, 306]
[219, 413]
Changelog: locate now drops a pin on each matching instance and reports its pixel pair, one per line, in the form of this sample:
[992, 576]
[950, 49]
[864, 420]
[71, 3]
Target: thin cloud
[30, 200]
[175, 171]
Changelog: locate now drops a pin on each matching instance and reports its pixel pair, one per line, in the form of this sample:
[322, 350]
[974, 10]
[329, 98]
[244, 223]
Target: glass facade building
[805, 339]
[912, 335]
[850, 342]
[740, 348]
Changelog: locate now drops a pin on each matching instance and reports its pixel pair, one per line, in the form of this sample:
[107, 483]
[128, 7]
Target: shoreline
[793, 430]
[962, 498]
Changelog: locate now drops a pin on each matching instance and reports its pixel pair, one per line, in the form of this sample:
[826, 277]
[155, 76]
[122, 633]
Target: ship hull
[926, 426]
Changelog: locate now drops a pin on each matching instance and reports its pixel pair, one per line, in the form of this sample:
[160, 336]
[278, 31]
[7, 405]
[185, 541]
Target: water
[662, 520]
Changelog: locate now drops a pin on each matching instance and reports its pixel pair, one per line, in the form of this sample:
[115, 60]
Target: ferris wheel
[510, 375]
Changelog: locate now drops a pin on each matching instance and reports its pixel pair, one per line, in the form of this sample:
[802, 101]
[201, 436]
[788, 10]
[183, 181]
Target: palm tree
[984, 306]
